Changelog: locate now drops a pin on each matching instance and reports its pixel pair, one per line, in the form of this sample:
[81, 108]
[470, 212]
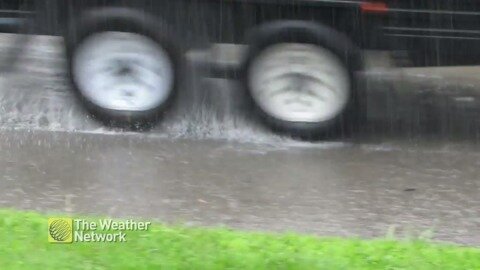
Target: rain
[386, 134]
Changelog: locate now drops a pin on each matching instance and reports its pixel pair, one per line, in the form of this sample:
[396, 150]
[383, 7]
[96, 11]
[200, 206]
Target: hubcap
[299, 83]
[123, 71]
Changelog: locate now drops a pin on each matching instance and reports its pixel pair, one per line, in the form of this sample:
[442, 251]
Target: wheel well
[71, 10]
[309, 32]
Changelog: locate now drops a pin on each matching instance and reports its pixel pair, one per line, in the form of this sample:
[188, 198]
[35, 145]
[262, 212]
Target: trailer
[126, 57]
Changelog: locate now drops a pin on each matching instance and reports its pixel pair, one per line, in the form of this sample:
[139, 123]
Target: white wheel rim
[123, 71]
[299, 83]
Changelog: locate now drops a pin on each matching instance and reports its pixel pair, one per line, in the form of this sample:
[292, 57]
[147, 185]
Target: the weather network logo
[60, 230]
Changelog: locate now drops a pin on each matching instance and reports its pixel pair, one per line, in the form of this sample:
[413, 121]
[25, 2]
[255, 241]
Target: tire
[123, 66]
[285, 60]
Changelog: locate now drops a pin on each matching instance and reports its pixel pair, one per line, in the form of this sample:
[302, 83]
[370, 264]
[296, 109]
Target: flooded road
[412, 170]
[327, 189]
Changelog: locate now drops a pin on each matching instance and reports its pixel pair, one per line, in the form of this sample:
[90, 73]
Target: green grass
[23, 245]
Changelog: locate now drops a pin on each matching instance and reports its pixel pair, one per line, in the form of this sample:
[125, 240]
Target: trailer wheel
[123, 65]
[299, 79]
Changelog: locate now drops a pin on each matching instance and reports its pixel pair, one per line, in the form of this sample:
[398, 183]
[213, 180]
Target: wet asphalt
[412, 170]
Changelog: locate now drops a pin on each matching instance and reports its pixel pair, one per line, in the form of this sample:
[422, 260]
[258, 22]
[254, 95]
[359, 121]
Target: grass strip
[24, 245]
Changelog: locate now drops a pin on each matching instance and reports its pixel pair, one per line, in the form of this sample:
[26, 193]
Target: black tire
[324, 37]
[130, 21]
